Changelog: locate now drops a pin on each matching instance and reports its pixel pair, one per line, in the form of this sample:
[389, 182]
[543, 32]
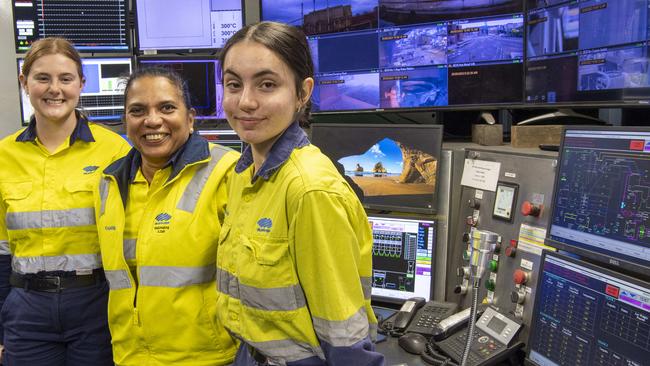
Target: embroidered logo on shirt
[264, 225]
[163, 220]
[90, 169]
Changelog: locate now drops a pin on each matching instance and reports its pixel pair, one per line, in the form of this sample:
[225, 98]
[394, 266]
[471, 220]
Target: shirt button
[247, 197]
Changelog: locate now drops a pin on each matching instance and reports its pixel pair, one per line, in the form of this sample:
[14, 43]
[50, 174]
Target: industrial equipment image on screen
[553, 30]
[392, 166]
[400, 12]
[477, 40]
[602, 194]
[323, 16]
[413, 46]
[346, 92]
[422, 87]
[619, 68]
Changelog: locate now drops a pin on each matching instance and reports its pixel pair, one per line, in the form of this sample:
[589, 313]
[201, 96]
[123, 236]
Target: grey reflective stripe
[271, 299]
[103, 194]
[343, 333]
[167, 276]
[118, 279]
[50, 219]
[57, 263]
[4, 248]
[372, 330]
[129, 248]
[283, 351]
[194, 188]
[366, 285]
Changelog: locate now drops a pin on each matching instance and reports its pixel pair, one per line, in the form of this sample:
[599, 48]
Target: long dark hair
[287, 42]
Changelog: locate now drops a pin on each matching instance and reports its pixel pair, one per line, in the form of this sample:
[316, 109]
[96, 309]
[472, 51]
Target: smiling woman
[55, 312]
[159, 210]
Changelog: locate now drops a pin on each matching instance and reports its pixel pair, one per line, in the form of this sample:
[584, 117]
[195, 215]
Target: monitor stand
[563, 116]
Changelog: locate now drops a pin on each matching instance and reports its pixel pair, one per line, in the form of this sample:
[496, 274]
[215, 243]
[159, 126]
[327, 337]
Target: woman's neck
[53, 133]
[150, 168]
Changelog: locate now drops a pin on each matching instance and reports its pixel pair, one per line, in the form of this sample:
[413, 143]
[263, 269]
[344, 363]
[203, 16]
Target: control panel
[509, 195]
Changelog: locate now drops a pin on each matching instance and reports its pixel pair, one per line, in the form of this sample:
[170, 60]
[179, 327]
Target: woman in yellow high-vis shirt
[55, 312]
[159, 213]
[295, 251]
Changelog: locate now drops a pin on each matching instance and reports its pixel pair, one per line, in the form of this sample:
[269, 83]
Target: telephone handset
[493, 340]
[432, 313]
[406, 312]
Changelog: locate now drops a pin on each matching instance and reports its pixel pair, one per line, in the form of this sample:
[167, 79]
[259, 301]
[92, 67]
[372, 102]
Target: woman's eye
[168, 108]
[232, 84]
[268, 85]
[135, 111]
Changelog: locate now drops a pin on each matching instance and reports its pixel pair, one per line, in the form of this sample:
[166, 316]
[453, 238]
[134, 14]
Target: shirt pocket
[15, 191]
[268, 282]
[81, 191]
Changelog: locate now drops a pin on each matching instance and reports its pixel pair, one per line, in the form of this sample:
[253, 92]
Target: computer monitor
[397, 55]
[226, 138]
[202, 77]
[102, 97]
[92, 26]
[181, 25]
[392, 167]
[600, 205]
[588, 315]
[402, 257]
[599, 47]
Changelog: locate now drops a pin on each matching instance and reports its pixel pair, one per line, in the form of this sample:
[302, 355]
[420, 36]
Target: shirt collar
[81, 131]
[292, 138]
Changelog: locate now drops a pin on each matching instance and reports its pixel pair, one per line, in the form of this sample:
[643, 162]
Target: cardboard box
[533, 136]
[488, 135]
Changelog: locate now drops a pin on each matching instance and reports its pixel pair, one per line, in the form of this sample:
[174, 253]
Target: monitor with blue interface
[92, 26]
[175, 25]
[201, 74]
[102, 97]
[586, 315]
[402, 253]
[391, 167]
[600, 47]
[602, 189]
[396, 54]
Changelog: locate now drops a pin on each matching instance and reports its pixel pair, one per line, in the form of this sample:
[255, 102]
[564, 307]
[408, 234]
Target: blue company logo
[90, 169]
[163, 217]
[264, 225]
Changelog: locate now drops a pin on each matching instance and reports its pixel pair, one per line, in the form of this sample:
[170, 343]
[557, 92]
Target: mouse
[413, 343]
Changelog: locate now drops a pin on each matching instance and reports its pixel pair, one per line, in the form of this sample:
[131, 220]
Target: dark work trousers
[68, 328]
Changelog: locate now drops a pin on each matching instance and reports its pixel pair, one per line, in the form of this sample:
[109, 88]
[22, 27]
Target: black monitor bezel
[607, 260]
[391, 300]
[538, 299]
[20, 87]
[166, 51]
[390, 208]
[128, 34]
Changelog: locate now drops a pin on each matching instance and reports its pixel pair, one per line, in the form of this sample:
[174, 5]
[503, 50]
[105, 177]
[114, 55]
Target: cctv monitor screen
[601, 191]
[92, 26]
[599, 47]
[201, 75]
[402, 253]
[391, 167]
[102, 97]
[186, 25]
[395, 54]
[587, 315]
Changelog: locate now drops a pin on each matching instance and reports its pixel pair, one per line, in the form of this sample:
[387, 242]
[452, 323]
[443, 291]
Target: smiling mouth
[154, 137]
[50, 101]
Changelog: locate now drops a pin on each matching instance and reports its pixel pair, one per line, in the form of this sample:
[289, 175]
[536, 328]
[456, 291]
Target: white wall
[9, 102]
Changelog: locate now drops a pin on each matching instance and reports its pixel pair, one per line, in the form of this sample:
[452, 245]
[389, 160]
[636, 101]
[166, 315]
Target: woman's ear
[307, 89]
[23, 82]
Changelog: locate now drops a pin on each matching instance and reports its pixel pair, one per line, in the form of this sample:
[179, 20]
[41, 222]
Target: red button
[520, 277]
[529, 209]
[511, 251]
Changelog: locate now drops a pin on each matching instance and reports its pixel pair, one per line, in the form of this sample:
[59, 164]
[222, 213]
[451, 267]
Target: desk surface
[394, 354]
